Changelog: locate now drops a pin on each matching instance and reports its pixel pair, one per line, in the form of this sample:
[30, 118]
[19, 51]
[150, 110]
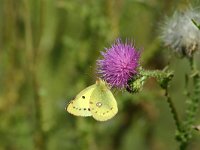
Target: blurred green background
[48, 51]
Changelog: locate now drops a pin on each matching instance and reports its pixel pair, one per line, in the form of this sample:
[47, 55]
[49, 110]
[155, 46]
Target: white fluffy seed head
[180, 33]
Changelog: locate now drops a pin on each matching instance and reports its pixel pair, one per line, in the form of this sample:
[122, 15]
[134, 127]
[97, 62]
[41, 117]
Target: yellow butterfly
[96, 101]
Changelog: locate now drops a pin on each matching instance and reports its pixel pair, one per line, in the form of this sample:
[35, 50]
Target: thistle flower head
[180, 33]
[119, 63]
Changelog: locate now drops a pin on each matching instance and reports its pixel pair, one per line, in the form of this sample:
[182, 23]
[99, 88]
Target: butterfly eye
[83, 97]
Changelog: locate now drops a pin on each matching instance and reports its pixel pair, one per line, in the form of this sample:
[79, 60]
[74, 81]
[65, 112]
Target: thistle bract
[181, 34]
[119, 64]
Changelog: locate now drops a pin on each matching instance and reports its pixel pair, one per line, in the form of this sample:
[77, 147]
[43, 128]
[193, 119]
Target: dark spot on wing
[84, 109]
[88, 109]
[91, 102]
[83, 97]
[79, 108]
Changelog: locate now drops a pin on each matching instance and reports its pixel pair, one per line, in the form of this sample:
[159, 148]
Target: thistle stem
[193, 103]
[163, 79]
[162, 76]
[173, 110]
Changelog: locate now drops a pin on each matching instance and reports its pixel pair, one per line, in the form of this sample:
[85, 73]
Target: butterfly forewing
[80, 105]
[102, 103]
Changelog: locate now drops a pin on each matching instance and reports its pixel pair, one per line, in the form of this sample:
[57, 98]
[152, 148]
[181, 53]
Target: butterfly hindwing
[102, 103]
[80, 105]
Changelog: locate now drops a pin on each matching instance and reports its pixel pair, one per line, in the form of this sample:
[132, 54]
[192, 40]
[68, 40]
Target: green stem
[192, 106]
[163, 78]
[137, 82]
[173, 110]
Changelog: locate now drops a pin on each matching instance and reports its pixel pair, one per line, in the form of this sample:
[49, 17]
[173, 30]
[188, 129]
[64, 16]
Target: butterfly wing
[102, 103]
[80, 105]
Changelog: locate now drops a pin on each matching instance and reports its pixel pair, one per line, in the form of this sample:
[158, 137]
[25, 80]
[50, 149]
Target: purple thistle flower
[119, 64]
